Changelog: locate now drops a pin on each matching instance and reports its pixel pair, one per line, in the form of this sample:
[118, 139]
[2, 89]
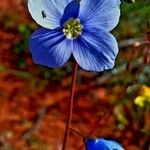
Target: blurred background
[114, 104]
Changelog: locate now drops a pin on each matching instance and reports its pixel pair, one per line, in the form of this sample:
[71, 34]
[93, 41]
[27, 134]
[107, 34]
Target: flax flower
[75, 27]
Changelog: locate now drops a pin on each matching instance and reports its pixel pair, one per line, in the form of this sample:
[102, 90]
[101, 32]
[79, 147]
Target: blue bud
[101, 144]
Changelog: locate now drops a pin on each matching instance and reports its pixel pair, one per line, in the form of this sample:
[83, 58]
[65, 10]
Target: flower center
[72, 28]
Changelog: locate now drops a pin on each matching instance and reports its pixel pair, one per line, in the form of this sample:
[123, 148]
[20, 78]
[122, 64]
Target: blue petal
[101, 144]
[71, 11]
[111, 145]
[95, 50]
[47, 13]
[102, 14]
[50, 47]
[92, 144]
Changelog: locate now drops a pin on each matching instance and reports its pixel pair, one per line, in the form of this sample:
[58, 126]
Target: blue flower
[77, 27]
[101, 144]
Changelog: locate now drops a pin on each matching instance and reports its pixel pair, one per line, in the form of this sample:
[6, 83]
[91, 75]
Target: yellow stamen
[72, 28]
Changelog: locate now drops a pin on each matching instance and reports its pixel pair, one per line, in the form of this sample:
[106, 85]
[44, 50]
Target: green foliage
[22, 45]
[134, 19]
[144, 77]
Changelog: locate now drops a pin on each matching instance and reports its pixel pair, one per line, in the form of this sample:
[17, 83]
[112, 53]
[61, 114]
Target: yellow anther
[72, 28]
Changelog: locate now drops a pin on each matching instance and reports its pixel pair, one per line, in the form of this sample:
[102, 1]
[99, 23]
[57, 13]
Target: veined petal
[95, 50]
[102, 14]
[50, 47]
[111, 145]
[71, 11]
[47, 13]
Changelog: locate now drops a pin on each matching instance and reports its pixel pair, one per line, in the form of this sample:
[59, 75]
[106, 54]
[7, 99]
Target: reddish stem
[77, 132]
[70, 106]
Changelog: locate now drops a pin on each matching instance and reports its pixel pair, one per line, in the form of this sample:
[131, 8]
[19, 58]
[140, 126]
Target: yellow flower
[140, 100]
[144, 96]
[145, 91]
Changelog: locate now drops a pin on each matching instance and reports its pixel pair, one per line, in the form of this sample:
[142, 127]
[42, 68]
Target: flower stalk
[74, 77]
[77, 132]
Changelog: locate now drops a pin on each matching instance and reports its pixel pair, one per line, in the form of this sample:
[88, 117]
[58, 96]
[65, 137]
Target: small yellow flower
[144, 96]
[140, 100]
[145, 91]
